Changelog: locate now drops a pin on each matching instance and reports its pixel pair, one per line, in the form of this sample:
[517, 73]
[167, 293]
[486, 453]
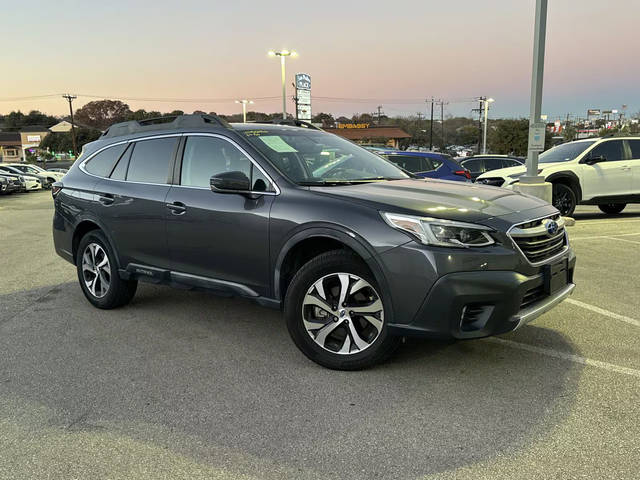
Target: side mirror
[594, 160]
[230, 182]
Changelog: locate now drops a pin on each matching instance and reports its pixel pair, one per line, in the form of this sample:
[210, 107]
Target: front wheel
[612, 208]
[336, 315]
[564, 199]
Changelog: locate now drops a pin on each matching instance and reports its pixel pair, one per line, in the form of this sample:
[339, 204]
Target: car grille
[535, 243]
[494, 181]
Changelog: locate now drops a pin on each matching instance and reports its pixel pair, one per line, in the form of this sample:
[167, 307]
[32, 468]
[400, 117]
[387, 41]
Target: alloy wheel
[343, 313]
[96, 270]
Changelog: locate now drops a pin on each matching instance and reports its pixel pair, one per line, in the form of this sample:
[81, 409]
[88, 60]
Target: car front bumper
[474, 303]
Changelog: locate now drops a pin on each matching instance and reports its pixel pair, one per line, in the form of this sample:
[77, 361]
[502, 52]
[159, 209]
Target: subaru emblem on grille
[551, 226]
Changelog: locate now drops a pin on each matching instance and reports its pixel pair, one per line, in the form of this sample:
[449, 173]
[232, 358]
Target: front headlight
[443, 233]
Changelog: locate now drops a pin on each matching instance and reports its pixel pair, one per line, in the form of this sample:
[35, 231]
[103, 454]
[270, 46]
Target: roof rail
[167, 122]
[294, 123]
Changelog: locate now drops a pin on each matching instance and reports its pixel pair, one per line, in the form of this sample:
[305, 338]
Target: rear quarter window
[102, 163]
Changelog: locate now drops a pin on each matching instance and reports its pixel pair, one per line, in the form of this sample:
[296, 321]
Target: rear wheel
[564, 199]
[98, 273]
[336, 315]
[612, 208]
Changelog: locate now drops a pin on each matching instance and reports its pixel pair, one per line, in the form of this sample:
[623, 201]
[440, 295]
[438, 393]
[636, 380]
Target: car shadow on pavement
[213, 378]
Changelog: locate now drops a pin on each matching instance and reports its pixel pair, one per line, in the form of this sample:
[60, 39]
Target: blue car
[429, 164]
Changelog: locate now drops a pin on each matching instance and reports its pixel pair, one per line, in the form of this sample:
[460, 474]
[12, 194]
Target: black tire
[326, 264]
[119, 292]
[564, 199]
[612, 208]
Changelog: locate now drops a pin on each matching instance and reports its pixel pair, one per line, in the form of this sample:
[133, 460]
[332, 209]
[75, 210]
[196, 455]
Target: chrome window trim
[244, 152]
[547, 260]
[84, 170]
[82, 167]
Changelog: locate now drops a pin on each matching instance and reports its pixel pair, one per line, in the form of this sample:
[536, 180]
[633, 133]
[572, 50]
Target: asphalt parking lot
[187, 385]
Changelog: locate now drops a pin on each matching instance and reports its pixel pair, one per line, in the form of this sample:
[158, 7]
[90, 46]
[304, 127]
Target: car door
[609, 177]
[220, 236]
[131, 200]
[634, 148]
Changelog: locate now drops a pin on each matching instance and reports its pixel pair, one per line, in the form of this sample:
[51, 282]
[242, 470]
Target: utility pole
[480, 111]
[431, 128]
[71, 98]
[442, 122]
[379, 113]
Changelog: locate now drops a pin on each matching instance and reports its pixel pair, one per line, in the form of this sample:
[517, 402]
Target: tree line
[505, 136]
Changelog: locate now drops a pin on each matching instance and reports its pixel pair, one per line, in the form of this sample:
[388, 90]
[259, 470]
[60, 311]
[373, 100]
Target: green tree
[60, 142]
[101, 114]
[326, 119]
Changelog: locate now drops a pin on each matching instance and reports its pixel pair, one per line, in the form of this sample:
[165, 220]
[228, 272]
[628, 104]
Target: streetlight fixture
[283, 54]
[244, 108]
[486, 114]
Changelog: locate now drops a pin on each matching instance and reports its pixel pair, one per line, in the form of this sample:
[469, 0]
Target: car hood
[436, 198]
[520, 169]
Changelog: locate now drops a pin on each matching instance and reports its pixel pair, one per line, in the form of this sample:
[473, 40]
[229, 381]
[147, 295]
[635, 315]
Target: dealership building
[366, 134]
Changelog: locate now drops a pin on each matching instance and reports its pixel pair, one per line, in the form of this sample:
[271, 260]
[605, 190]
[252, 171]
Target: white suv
[595, 171]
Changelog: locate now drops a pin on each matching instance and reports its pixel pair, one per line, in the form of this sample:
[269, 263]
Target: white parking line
[602, 311]
[571, 239]
[603, 222]
[566, 356]
[625, 240]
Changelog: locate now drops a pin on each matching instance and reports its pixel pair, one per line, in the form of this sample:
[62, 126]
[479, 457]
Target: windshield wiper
[375, 179]
[324, 183]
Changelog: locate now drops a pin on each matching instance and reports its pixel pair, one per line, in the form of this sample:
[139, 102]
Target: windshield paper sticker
[274, 142]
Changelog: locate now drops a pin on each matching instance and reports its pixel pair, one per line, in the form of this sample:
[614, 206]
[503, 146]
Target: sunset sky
[359, 53]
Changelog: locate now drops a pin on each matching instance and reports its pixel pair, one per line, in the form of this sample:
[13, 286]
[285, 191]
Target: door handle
[106, 198]
[626, 167]
[177, 208]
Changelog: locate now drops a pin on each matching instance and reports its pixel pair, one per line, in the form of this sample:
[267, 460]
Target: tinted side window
[207, 156]
[635, 149]
[150, 160]
[509, 163]
[611, 150]
[435, 163]
[409, 163]
[474, 166]
[492, 164]
[102, 164]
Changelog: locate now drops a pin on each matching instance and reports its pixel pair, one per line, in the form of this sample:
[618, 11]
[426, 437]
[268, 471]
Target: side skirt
[187, 281]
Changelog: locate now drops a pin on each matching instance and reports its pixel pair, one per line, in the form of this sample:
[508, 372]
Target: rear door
[221, 236]
[131, 201]
[610, 177]
[634, 148]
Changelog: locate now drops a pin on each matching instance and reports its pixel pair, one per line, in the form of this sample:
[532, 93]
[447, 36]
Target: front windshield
[564, 152]
[35, 169]
[313, 156]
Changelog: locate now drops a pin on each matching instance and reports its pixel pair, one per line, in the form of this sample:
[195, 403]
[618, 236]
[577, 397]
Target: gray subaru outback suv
[357, 252]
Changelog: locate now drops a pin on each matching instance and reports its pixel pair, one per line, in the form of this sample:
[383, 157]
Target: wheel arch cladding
[567, 178]
[80, 231]
[301, 248]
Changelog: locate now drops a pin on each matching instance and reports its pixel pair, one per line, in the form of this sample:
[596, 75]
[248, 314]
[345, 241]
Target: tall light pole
[536, 127]
[484, 133]
[283, 54]
[244, 109]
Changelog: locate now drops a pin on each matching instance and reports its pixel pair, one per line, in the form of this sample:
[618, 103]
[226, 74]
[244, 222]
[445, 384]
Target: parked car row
[596, 171]
[24, 177]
